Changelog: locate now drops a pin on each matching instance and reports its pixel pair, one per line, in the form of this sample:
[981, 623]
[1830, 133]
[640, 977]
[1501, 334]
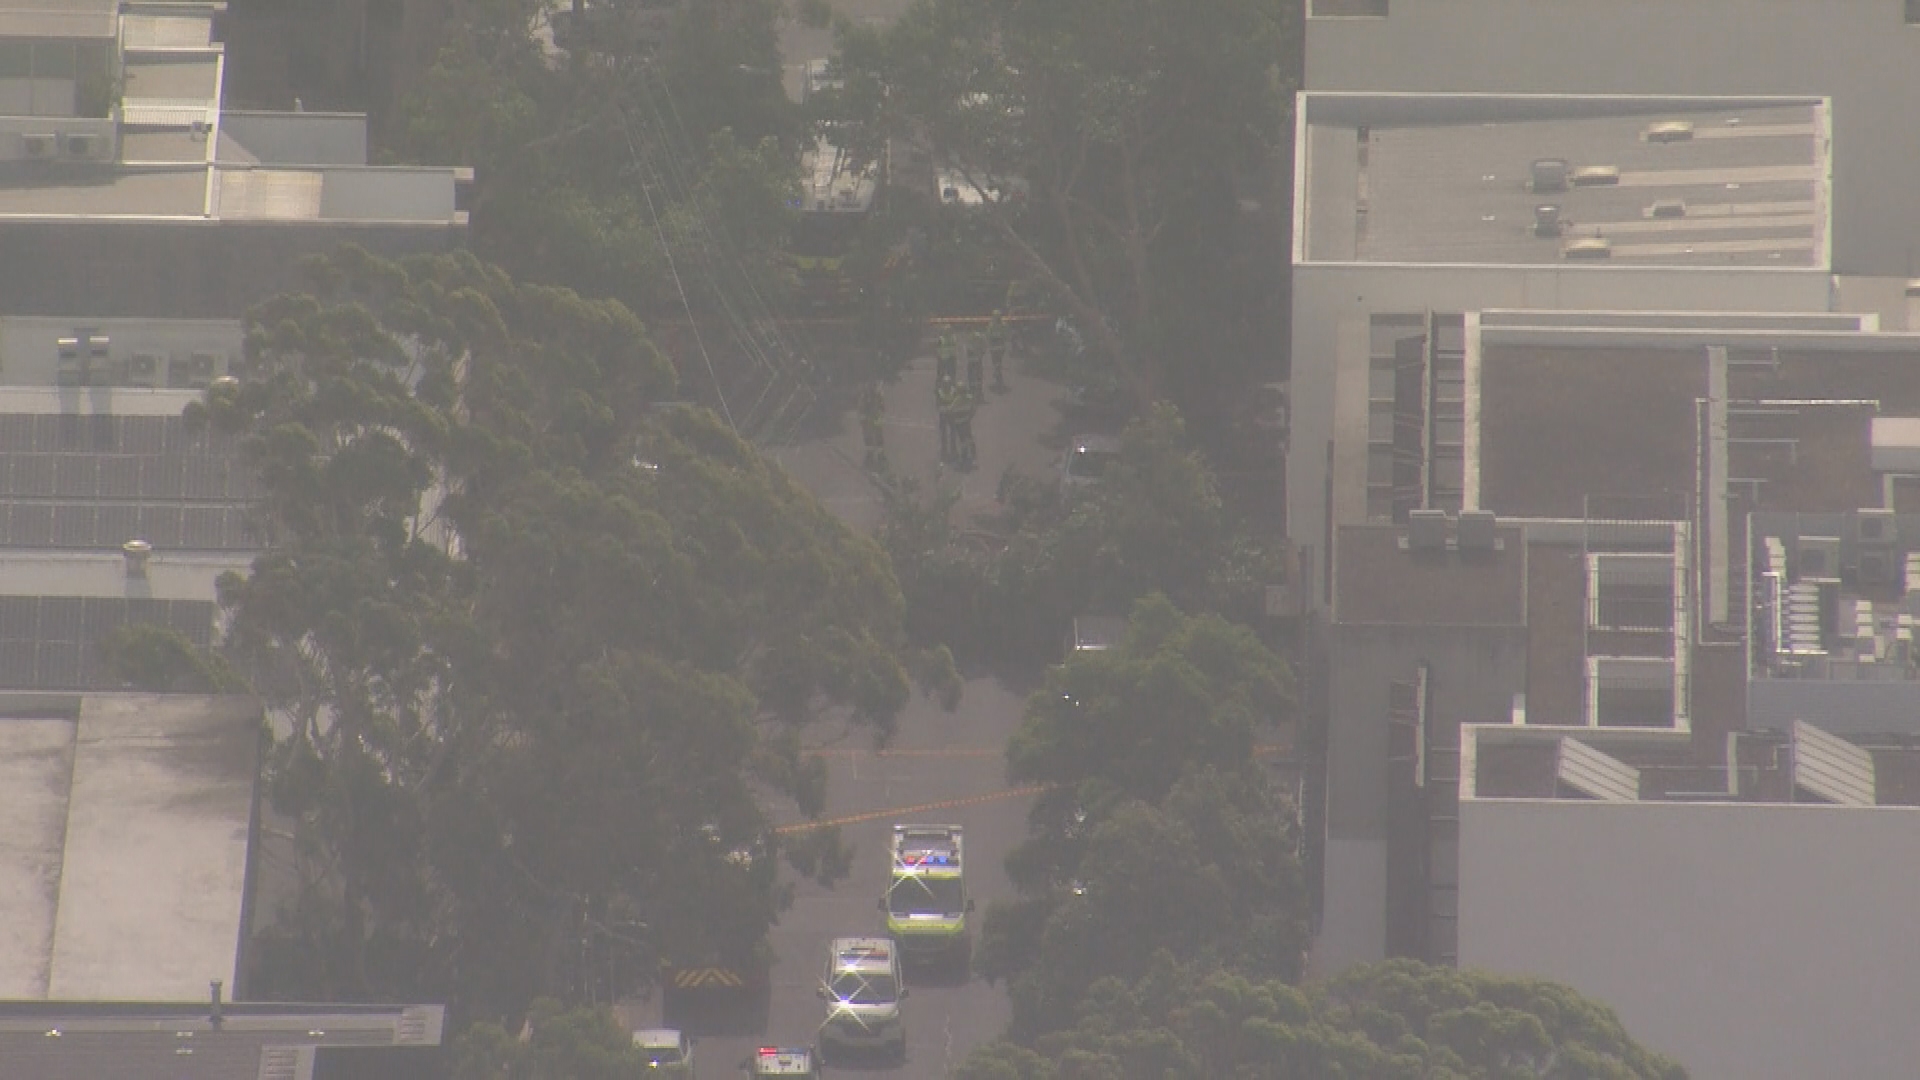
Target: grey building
[128, 862]
[1862, 55]
[130, 191]
[1473, 620]
[1742, 907]
[208, 1039]
[1412, 211]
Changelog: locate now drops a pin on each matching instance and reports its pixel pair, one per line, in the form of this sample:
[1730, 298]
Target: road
[942, 767]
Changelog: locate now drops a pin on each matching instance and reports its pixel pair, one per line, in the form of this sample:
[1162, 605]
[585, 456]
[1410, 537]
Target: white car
[863, 991]
[666, 1051]
[1088, 458]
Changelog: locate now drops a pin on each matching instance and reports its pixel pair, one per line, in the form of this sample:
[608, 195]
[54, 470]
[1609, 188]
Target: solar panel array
[73, 482]
[48, 642]
[104, 526]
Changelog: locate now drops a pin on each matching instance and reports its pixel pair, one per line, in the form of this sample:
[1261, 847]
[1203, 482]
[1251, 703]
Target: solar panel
[60, 618]
[120, 476]
[16, 433]
[18, 667]
[193, 619]
[117, 523]
[163, 477]
[206, 478]
[59, 667]
[143, 435]
[204, 530]
[73, 525]
[33, 475]
[77, 476]
[145, 609]
[31, 525]
[19, 618]
[161, 525]
[100, 615]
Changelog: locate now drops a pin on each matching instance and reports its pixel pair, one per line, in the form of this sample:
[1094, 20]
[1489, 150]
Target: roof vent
[1546, 220]
[1594, 176]
[1668, 208]
[1670, 131]
[1476, 529]
[1427, 530]
[137, 553]
[1587, 247]
[1550, 174]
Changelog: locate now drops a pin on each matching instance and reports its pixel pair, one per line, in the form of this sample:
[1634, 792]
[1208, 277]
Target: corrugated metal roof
[181, 31]
[1595, 774]
[268, 194]
[1832, 768]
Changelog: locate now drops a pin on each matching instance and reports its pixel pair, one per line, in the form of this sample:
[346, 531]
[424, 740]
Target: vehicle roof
[783, 1061]
[861, 953]
[657, 1038]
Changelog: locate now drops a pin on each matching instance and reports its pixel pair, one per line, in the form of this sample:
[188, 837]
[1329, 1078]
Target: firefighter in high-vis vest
[946, 403]
[948, 353]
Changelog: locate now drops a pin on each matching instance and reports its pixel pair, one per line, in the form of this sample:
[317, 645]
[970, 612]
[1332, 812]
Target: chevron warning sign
[703, 978]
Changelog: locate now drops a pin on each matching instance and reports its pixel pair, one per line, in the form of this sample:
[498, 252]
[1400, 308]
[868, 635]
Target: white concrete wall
[1750, 942]
[1332, 306]
[1858, 52]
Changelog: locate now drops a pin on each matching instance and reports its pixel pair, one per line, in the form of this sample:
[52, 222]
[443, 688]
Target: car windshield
[663, 1055]
[1088, 464]
[862, 989]
[925, 896]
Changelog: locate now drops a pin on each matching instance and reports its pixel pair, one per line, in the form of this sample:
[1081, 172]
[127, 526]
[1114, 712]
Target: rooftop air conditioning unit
[1427, 530]
[1875, 526]
[82, 146]
[1876, 568]
[1587, 247]
[1546, 220]
[1594, 176]
[196, 371]
[1670, 131]
[38, 147]
[1477, 531]
[143, 369]
[1819, 557]
[1668, 208]
[1550, 174]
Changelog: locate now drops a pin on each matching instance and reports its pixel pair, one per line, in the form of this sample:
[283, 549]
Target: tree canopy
[1395, 1021]
[1155, 522]
[1156, 828]
[539, 635]
[1143, 132]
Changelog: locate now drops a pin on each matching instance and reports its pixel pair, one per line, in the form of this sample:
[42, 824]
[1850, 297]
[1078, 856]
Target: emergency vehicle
[784, 1061]
[863, 990]
[926, 901]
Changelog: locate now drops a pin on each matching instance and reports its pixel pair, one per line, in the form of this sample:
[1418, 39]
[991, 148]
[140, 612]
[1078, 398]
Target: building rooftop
[1381, 579]
[125, 871]
[1602, 608]
[1439, 179]
[1615, 414]
[178, 1040]
[1802, 765]
[76, 19]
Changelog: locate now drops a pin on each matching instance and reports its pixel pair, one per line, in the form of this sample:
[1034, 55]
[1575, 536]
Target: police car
[863, 991]
[784, 1061]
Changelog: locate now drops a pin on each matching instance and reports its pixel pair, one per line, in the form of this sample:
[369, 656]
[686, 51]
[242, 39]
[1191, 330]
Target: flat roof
[1450, 181]
[59, 18]
[128, 825]
[179, 1039]
[1558, 423]
[1379, 581]
[1525, 762]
